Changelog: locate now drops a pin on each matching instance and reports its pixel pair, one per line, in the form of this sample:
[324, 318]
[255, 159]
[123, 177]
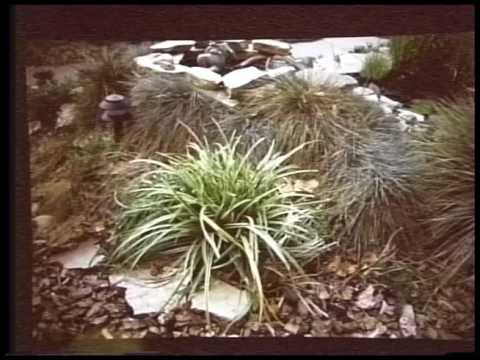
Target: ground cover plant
[214, 209]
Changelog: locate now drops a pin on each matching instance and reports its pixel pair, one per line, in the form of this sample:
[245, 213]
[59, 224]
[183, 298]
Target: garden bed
[390, 291]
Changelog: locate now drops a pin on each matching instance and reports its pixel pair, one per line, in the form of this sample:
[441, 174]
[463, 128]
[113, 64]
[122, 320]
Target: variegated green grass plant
[213, 210]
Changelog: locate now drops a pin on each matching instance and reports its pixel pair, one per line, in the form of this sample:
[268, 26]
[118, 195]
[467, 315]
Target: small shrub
[105, 73]
[447, 182]
[300, 111]
[376, 67]
[213, 210]
[159, 107]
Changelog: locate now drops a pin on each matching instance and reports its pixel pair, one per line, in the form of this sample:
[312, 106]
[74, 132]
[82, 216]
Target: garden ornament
[116, 111]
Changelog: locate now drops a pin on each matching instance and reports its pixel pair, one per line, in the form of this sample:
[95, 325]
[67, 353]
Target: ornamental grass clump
[213, 210]
[447, 183]
[160, 104]
[106, 72]
[302, 111]
[371, 181]
[376, 67]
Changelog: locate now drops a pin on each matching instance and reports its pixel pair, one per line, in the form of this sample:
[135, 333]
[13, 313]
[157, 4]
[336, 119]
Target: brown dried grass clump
[299, 111]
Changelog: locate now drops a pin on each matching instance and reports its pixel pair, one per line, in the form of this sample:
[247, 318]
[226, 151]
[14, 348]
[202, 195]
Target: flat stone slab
[368, 94]
[239, 78]
[283, 70]
[83, 257]
[317, 49]
[143, 292]
[345, 44]
[408, 115]
[149, 62]
[325, 78]
[205, 78]
[173, 45]
[224, 300]
[273, 47]
[349, 63]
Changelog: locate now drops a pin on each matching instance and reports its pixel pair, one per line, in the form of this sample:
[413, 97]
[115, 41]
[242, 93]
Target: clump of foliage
[376, 67]
[159, 107]
[212, 210]
[105, 73]
[56, 52]
[371, 181]
[436, 65]
[302, 111]
[45, 100]
[447, 182]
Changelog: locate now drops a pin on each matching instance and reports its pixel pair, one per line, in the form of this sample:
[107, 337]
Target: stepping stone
[83, 257]
[224, 301]
[146, 295]
[143, 292]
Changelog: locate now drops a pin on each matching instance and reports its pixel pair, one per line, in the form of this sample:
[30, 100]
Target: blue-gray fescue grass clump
[371, 181]
[211, 209]
[160, 104]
